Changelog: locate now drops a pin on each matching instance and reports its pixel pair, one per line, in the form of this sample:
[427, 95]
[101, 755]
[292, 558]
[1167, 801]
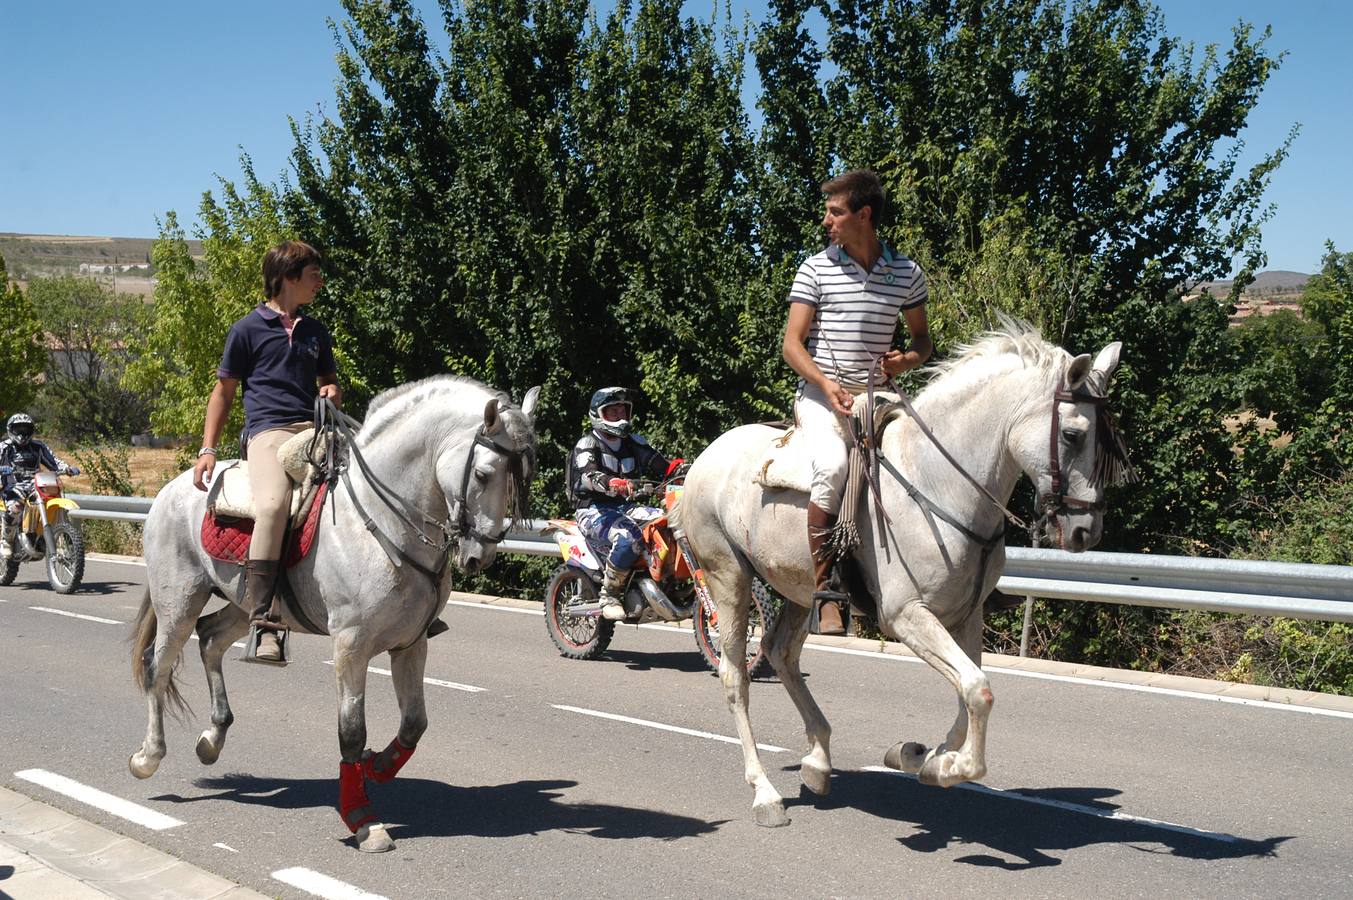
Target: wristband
[211, 450]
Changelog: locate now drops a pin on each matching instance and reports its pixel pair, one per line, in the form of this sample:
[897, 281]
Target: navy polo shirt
[277, 372]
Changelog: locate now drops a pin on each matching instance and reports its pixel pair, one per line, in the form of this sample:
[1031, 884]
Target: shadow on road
[1025, 833]
[678, 661]
[424, 808]
[40, 584]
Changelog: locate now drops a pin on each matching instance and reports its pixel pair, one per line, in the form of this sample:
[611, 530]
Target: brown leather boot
[831, 603]
[260, 579]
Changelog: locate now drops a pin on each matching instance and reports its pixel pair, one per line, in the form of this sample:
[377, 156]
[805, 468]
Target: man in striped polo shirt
[843, 311]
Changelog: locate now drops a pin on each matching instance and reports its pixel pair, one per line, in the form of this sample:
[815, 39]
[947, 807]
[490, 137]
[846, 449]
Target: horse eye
[481, 474]
[1072, 436]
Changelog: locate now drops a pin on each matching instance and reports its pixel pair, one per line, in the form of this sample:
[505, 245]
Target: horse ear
[528, 403]
[1078, 371]
[491, 414]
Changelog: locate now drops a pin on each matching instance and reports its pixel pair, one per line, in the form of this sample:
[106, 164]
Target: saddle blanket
[227, 539]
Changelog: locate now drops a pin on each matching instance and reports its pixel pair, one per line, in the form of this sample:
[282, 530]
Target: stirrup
[251, 648]
[843, 605]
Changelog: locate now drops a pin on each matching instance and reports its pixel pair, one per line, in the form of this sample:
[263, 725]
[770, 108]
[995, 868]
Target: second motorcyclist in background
[601, 474]
[20, 457]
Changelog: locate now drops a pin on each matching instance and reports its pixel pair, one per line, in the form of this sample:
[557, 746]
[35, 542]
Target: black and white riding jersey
[595, 461]
[25, 461]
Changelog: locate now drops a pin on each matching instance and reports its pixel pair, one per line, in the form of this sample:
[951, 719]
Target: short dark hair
[861, 187]
[287, 260]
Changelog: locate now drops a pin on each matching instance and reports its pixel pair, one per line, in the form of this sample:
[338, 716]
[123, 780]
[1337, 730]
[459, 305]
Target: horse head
[1068, 444]
[495, 481]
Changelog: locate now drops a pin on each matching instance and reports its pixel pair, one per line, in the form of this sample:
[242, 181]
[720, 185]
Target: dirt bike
[44, 530]
[665, 585]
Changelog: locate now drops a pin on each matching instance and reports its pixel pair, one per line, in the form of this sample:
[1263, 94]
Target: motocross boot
[6, 551]
[830, 602]
[260, 579]
[612, 592]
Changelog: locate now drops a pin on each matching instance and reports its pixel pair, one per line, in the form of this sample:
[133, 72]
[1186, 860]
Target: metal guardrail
[1252, 587]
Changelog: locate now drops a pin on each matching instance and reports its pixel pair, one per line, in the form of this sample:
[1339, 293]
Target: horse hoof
[142, 768]
[374, 839]
[771, 815]
[207, 752]
[905, 757]
[817, 780]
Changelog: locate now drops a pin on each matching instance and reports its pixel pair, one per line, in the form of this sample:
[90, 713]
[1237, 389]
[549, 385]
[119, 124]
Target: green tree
[89, 329]
[22, 354]
[195, 303]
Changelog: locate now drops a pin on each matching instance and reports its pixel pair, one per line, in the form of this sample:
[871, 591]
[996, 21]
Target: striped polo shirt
[857, 313]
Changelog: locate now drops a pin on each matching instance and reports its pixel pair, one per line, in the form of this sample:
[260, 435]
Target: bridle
[334, 423]
[1111, 460]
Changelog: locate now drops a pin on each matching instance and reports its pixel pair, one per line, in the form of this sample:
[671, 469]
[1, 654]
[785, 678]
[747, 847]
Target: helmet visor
[22, 429]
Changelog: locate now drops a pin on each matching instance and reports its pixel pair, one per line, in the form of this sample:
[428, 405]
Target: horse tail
[143, 643]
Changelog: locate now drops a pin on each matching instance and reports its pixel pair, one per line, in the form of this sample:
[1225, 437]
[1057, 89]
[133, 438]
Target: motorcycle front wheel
[706, 625]
[9, 572]
[577, 637]
[65, 557]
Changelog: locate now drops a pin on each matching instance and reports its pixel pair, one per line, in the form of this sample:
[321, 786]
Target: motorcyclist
[20, 457]
[601, 473]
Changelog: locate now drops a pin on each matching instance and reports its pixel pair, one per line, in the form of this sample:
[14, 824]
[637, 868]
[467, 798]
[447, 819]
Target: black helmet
[20, 428]
[612, 396]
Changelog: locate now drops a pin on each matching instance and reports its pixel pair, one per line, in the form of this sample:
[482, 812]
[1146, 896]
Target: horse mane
[386, 407]
[1011, 339]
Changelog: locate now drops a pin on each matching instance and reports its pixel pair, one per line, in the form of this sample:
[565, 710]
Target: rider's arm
[47, 458]
[795, 350]
[218, 410]
[918, 349]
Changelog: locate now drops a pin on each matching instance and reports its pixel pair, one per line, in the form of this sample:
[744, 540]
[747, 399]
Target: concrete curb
[58, 856]
[997, 661]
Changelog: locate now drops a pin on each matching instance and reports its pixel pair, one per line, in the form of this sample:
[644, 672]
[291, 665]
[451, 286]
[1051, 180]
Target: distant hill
[32, 255]
[1275, 282]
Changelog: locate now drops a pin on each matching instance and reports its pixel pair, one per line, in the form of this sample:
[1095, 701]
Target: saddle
[228, 523]
[785, 462]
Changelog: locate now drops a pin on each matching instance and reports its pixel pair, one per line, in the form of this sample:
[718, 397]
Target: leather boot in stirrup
[260, 580]
[830, 603]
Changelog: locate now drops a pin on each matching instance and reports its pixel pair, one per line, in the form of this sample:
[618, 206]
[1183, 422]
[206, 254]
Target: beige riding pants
[827, 438]
[272, 490]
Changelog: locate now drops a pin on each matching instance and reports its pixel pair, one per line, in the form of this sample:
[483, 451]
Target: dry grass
[151, 469]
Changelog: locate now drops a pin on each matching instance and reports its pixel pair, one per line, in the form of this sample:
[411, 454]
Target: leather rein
[334, 423]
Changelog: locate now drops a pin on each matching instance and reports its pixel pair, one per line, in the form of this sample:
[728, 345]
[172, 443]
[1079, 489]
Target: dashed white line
[98, 799]
[511, 609]
[71, 615]
[769, 748]
[454, 685]
[1111, 814]
[320, 885]
[225, 847]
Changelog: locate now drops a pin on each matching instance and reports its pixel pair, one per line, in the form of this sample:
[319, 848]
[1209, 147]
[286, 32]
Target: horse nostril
[471, 566]
[1079, 538]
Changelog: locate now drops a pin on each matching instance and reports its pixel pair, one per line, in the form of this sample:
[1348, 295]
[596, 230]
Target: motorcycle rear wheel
[577, 637]
[706, 624]
[65, 557]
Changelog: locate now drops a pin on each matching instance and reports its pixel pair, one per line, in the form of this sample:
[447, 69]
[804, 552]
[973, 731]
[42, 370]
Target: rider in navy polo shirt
[282, 359]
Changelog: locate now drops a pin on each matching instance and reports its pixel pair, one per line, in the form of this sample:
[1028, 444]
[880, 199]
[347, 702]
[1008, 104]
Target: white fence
[1256, 587]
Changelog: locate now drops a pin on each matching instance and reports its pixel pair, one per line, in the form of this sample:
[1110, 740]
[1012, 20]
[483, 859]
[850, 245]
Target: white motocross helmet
[20, 428]
[618, 422]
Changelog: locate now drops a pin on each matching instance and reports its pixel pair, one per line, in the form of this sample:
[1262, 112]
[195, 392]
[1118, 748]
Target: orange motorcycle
[665, 585]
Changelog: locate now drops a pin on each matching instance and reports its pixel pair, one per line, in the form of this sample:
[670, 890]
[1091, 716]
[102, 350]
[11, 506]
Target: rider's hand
[333, 393]
[622, 486]
[203, 469]
[674, 465]
[72, 470]
[895, 361]
[841, 399]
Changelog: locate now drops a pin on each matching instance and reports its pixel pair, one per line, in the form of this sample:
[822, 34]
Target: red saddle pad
[227, 539]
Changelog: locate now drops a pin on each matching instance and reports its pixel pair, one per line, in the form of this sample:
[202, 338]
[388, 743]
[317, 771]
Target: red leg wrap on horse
[353, 805]
[383, 766]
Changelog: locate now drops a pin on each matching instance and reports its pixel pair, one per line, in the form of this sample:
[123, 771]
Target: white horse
[445, 459]
[1009, 403]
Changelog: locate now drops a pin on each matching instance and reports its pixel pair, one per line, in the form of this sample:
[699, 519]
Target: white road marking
[512, 609]
[71, 615]
[313, 882]
[1111, 814]
[893, 657]
[454, 685]
[98, 799]
[225, 847]
[769, 748]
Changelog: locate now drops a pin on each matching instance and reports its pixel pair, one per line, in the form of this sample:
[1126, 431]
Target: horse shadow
[1020, 835]
[676, 661]
[419, 807]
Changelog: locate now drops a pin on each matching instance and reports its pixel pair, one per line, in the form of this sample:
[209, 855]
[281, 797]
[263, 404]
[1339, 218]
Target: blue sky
[115, 112]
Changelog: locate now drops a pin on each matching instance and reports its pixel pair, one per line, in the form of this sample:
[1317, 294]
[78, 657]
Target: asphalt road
[514, 792]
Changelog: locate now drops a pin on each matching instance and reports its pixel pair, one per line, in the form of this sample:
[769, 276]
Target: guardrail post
[1028, 624]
